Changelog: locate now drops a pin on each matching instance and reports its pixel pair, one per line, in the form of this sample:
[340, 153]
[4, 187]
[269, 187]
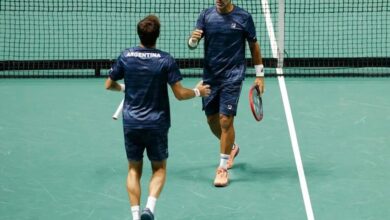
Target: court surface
[62, 156]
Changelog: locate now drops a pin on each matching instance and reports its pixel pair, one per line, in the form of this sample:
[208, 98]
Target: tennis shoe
[221, 178]
[233, 154]
[147, 214]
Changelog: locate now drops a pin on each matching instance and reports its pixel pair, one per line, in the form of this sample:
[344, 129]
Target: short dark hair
[148, 30]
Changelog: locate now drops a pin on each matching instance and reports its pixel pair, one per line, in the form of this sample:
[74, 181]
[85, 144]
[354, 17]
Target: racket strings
[257, 103]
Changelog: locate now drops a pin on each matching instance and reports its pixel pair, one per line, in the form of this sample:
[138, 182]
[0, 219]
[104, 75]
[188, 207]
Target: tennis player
[146, 116]
[225, 29]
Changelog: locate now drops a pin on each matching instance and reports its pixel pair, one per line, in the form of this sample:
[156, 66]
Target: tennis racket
[118, 111]
[256, 103]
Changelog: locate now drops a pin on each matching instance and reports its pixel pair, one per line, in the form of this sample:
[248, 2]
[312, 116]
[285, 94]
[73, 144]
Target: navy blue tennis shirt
[146, 72]
[225, 36]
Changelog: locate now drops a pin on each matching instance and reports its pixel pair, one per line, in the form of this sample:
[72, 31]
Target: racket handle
[118, 110]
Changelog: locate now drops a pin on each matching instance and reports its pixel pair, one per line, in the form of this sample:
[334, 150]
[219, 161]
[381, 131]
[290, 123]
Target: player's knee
[226, 122]
[213, 120]
[159, 173]
[159, 166]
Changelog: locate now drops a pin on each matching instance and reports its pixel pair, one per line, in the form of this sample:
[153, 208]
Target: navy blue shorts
[154, 141]
[223, 99]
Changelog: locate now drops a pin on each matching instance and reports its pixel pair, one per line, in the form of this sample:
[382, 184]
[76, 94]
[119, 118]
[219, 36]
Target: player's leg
[217, 123]
[211, 108]
[157, 151]
[134, 151]
[215, 126]
[227, 133]
[226, 142]
[156, 185]
[230, 95]
[157, 182]
[134, 187]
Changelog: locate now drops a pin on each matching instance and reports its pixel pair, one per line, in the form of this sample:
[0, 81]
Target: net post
[280, 37]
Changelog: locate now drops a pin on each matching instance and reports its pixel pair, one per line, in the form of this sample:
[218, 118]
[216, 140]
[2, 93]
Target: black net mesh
[81, 38]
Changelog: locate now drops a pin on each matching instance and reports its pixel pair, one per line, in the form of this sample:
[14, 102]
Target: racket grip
[118, 111]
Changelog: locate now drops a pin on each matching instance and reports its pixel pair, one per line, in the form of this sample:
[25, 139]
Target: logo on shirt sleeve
[233, 25]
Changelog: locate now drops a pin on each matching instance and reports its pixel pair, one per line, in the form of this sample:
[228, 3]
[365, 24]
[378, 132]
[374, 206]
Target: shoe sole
[221, 185]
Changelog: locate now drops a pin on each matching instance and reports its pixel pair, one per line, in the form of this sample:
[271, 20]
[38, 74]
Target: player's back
[146, 72]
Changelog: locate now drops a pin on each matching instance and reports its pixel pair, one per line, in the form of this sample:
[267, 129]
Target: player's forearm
[184, 94]
[257, 60]
[256, 54]
[113, 85]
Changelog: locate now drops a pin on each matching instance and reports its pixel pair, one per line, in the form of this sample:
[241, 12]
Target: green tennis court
[62, 155]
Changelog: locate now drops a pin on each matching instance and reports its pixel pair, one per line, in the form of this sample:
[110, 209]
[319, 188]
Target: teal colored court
[62, 156]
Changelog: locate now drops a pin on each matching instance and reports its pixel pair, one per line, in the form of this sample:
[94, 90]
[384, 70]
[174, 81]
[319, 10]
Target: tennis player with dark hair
[146, 115]
[225, 29]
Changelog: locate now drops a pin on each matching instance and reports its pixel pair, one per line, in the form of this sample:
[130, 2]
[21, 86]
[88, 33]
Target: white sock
[136, 213]
[223, 160]
[151, 204]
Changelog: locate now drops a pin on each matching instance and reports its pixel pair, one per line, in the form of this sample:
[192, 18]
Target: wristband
[192, 43]
[259, 70]
[122, 87]
[196, 91]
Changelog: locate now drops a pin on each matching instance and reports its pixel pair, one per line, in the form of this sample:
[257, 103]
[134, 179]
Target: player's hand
[196, 35]
[259, 81]
[203, 89]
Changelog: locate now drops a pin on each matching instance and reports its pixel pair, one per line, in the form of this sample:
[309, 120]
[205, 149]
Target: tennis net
[82, 38]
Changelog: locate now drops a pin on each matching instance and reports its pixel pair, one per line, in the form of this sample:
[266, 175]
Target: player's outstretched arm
[182, 93]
